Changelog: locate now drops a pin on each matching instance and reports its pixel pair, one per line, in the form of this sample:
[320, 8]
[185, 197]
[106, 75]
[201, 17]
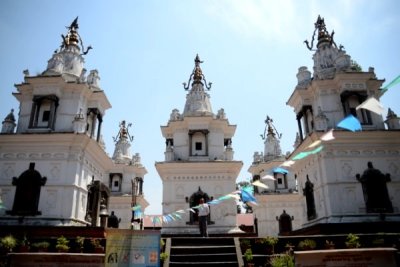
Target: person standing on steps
[204, 210]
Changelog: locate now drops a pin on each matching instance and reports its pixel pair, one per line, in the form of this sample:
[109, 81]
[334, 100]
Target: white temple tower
[198, 161]
[53, 168]
[279, 208]
[335, 183]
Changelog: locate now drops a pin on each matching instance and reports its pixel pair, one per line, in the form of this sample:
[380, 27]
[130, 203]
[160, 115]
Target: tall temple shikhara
[355, 178]
[54, 170]
[198, 161]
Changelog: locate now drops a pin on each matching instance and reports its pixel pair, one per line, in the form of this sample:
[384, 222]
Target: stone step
[198, 251]
[203, 257]
[194, 241]
[201, 249]
[210, 264]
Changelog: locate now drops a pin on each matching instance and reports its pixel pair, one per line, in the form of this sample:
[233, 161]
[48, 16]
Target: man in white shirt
[204, 210]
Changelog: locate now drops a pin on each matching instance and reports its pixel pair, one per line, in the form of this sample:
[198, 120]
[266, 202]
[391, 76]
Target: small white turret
[392, 121]
[122, 153]
[9, 123]
[272, 147]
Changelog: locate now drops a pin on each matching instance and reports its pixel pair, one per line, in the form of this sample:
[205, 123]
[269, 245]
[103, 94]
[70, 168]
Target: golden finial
[197, 75]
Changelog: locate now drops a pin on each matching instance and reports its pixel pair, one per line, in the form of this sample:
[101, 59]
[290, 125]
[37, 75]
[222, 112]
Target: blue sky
[144, 50]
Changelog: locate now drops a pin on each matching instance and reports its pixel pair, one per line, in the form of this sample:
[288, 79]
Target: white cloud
[268, 20]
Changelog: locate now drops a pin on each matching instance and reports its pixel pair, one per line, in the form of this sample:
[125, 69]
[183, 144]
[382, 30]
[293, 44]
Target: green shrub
[282, 260]
[9, 242]
[62, 244]
[352, 241]
[41, 245]
[248, 255]
[163, 256]
[307, 244]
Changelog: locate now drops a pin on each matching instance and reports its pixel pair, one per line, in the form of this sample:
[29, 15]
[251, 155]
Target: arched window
[198, 142]
[27, 193]
[115, 182]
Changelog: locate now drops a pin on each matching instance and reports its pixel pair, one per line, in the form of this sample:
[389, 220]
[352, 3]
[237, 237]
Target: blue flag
[350, 123]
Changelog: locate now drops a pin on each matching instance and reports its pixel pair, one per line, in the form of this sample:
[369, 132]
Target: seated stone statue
[375, 191]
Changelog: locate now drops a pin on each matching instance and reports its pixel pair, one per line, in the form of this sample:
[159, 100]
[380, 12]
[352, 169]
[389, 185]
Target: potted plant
[9, 242]
[245, 244]
[352, 241]
[307, 244]
[282, 260]
[62, 244]
[163, 256]
[42, 246]
[80, 242]
[24, 245]
[248, 255]
[98, 248]
[270, 241]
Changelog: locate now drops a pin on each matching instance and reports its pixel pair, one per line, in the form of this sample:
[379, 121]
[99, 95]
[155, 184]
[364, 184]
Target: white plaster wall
[216, 144]
[181, 145]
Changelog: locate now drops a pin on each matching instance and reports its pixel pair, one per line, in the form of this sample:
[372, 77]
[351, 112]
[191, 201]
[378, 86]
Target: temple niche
[27, 193]
[285, 223]
[195, 201]
[308, 192]
[375, 190]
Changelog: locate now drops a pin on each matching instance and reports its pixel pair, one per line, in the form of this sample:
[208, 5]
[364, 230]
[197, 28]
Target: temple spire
[197, 100]
[73, 38]
[68, 59]
[197, 75]
[328, 58]
[323, 34]
[272, 147]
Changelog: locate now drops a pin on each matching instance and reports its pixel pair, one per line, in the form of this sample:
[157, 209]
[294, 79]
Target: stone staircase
[198, 251]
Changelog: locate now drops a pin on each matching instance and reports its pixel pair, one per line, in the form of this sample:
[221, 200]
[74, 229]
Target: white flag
[372, 104]
[259, 184]
[328, 136]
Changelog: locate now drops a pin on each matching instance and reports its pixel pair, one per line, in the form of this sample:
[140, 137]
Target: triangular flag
[259, 184]
[268, 177]
[247, 197]
[328, 136]
[392, 83]
[300, 155]
[177, 215]
[315, 143]
[137, 207]
[235, 196]
[214, 202]
[315, 151]
[287, 163]
[373, 105]
[279, 170]
[225, 197]
[350, 123]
